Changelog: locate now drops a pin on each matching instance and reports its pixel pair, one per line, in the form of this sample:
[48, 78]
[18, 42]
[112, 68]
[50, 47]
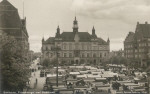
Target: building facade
[13, 25]
[76, 47]
[137, 44]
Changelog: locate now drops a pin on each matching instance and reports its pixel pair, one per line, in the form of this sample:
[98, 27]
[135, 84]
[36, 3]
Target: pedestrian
[36, 80]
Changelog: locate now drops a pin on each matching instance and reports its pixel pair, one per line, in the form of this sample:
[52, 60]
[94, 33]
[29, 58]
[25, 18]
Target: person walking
[36, 80]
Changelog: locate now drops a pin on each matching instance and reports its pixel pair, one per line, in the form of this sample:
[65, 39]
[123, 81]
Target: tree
[14, 67]
[46, 62]
[49, 63]
[118, 60]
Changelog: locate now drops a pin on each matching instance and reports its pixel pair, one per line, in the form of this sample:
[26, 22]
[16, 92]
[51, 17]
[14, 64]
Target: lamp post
[56, 49]
[57, 70]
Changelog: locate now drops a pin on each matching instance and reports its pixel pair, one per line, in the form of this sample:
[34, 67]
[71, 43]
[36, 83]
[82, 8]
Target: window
[70, 47]
[49, 47]
[88, 55]
[82, 47]
[94, 55]
[46, 48]
[83, 55]
[100, 60]
[51, 54]
[65, 46]
[47, 54]
[100, 55]
[65, 54]
[58, 54]
[105, 54]
[70, 54]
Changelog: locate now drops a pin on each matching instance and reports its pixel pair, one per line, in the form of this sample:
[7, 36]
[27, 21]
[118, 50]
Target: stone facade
[76, 47]
[137, 44]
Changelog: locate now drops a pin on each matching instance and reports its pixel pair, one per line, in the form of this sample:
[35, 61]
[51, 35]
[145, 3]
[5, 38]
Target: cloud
[128, 11]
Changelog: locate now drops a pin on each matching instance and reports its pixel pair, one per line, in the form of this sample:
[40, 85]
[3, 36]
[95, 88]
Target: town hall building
[76, 47]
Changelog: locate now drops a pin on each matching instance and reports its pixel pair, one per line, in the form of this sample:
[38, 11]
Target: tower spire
[93, 31]
[75, 25]
[108, 41]
[43, 39]
[58, 32]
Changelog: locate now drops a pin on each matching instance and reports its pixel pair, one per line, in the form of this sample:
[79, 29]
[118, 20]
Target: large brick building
[76, 47]
[137, 44]
[12, 25]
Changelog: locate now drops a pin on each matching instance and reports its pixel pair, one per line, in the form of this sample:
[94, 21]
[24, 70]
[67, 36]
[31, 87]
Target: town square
[74, 47]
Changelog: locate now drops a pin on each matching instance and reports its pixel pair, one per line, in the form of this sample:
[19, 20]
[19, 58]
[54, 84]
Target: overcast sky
[111, 18]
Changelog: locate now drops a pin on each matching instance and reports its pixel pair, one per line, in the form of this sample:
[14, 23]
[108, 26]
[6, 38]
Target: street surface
[36, 75]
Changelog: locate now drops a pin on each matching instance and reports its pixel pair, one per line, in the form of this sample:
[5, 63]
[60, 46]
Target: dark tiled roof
[67, 36]
[5, 5]
[9, 16]
[84, 36]
[101, 41]
[50, 40]
[130, 37]
[142, 30]
[10, 21]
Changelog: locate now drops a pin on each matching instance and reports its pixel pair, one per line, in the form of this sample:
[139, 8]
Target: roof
[143, 30]
[8, 4]
[50, 40]
[101, 41]
[10, 20]
[67, 36]
[70, 37]
[130, 37]
[9, 16]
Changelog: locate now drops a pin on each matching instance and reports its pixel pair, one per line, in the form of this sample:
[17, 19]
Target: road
[36, 75]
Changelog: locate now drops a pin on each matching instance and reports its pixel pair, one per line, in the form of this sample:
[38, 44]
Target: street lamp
[56, 49]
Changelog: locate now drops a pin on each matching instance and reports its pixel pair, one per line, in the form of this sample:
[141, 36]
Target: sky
[111, 18]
